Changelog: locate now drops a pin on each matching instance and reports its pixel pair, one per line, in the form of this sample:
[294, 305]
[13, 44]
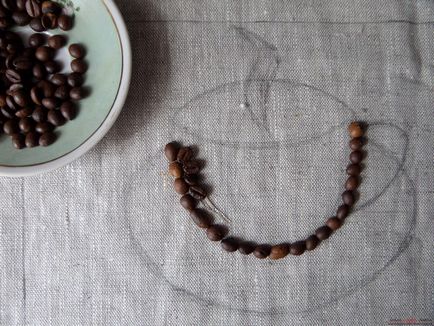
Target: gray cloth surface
[265, 90]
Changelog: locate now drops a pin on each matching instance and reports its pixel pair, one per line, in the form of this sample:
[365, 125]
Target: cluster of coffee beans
[35, 97]
[185, 171]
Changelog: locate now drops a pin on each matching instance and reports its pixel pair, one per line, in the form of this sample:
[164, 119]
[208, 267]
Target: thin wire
[210, 205]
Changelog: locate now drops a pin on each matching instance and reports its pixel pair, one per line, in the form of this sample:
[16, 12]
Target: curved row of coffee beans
[184, 168]
[35, 97]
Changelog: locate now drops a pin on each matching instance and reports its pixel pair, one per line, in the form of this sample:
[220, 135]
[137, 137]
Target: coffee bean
[192, 179]
[33, 8]
[76, 51]
[180, 186]
[23, 63]
[68, 110]
[354, 169]
[356, 157]
[56, 41]
[185, 154]
[175, 170]
[50, 7]
[262, 251]
[18, 141]
[56, 118]
[11, 127]
[9, 4]
[201, 218]
[75, 80]
[62, 92]
[49, 21]
[323, 232]
[355, 130]
[39, 71]
[334, 223]
[23, 113]
[352, 183]
[48, 88]
[13, 76]
[36, 25]
[197, 192]
[297, 248]
[348, 198]
[36, 95]
[39, 114]
[21, 18]
[50, 103]
[246, 247]
[76, 93]
[312, 242]
[52, 67]
[11, 103]
[9, 62]
[42, 127]
[230, 244]
[32, 139]
[342, 212]
[21, 4]
[26, 125]
[44, 53]
[20, 98]
[279, 251]
[79, 66]
[7, 112]
[36, 40]
[191, 167]
[47, 139]
[58, 79]
[65, 22]
[170, 150]
[356, 143]
[188, 202]
[216, 232]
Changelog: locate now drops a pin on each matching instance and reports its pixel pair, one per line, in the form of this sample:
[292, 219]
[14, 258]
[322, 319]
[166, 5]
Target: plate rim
[106, 125]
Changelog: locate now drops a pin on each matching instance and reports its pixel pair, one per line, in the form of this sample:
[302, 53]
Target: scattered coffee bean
[246, 247]
[39, 71]
[52, 67]
[191, 167]
[79, 66]
[192, 179]
[76, 51]
[11, 127]
[323, 232]
[62, 92]
[75, 80]
[44, 53]
[26, 125]
[21, 18]
[36, 25]
[170, 150]
[356, 157]
[348, 198]
[50, 103]
[50, 7]
[20, 98]
[76, 93]
[44, 127]
[56, 41]
[23, 113]
[356, 143]
[33, 8]
[342, 212]
[49, 21]
[352, 183]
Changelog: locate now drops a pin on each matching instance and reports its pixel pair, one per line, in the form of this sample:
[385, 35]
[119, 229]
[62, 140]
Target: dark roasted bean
[76, 51]
[21, 4]
[44, 53]
[170, 150]
[356, 143]
[65, 22]
[175, 170]
[18, 141]
[354, 169]
[76, 93]
[192, 179]
[47, 139]
[180, 186]
[343, 212]
[188, 202]
[23, 113]
[13, 76]
[40, 114]
[7, 112]
[26, 125]
[348, 198]
[202, 218]
[246, 247]
[62, 92]
[79, 66]
[334, 223]
[312, 242]
[197, 192]
[47, 88]
[216, 232]
[11, 103]
[32, 139]
[352, 183]
[55, 118]
[36, 40]
[185, 154]
[356, 157]
[58, 79]
[297, 248]
[76, 80]
[68, 110]
[262, 251]
[230, 244]
[323, 232]
[20, 98]
[279, 251]
[43, 127]
[355, 130]
[33, 8]
[11, 127]
[36, 25]
[50, 103]
[191, 167]
[56, 41]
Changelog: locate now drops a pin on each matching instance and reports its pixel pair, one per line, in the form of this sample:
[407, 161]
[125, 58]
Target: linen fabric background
[265, 90]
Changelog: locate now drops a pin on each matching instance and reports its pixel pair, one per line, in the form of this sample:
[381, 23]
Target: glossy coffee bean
[11, 103]
[65, 22]
[246, 247]
[33, 8]
[192, 167]
[48, 88]
[39, 114]
[175, 170]
[23, 63]
[312, 242]
[13, 76]
[47, 139]
[55, 118]
[230, 244]
[262, 251]
[76, 93]
[50, 103]
[216, 232]
[354, 169]
[356, 143]
[36, 40]
[39, 71]
[79, 66]
[68, 110]
[44, 53]
[323, 232]
[297, 248]
[56, 41]
[52, 67]
[32, 140]
[356, 157]
[11, 127]
[44, 127]
[201, 218]
[185, 154]
[21, 18]
[50, 7]
[21, 4]
[75, 79]
[36, 25]
[342, 212]
[279, 251]
[180, 186]
[26, 125]
[192, 179]
[76, 51]
[23, 113]
[197, 192]
[188, 202]
[59, 79]
[348, 198]
[62, 92]
[355, 130]
[18, 141]
[49, 21]
[352, 183]
[171, 151]
[334, 223]
[20, 98]
[7, 112]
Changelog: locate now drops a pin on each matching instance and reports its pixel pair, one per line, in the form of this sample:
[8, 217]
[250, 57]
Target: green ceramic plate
[100, 27]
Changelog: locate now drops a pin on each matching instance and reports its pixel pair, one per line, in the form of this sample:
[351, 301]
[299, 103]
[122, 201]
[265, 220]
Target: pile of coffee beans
[184, 168]
[35, 97]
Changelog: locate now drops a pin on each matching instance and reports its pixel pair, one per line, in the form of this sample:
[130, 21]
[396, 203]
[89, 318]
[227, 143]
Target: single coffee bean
[47, 88]
[65, 22]
[356, 143]
[180, 186]
[23, 113]
[11, 127]
[43, 127]
[44, 53]
[197, 192]
[7, 112]
[56, 41]
[342, 212]
[262, 251]
[50, 103]
[62, 92]
[76, 51]
[79, 66]
[26, 125]
[334, 223]
[246, 247]
[21, 18]
[55, 118]
[39, 114]
[13, 76]
[32, 139]
[68, 110]
[47, 139]
[18, 141]
[23, 63]
[230, 244]
[348, 198]
[36, 40]
[36, 25]
[188, 202]
[352, 183]
[21, 4]
[323, 232]
[354, 169]
[39, 71]
[191, 167]
[355, 130]
[33, 8]
[185, 154]
[75, 79]
[192, 179]
[170, 150]
[52, 67]
[58, 79]
[279, 251]
[36, 95]
[20, 98]
[216, 232]
[312, 242]
[76, 93]
[9, 62]
[50, 7]
[297, 248]
[356, 157]
[202, 218]
[11, 103]
[175, 170]
[49, 21]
